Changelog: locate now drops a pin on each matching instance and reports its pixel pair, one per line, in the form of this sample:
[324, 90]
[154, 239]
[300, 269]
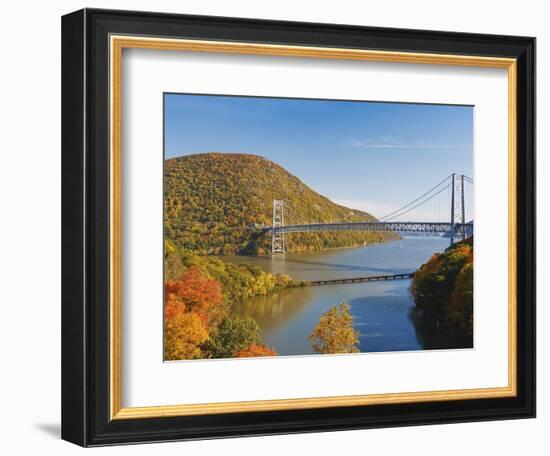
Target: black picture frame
[85, 225]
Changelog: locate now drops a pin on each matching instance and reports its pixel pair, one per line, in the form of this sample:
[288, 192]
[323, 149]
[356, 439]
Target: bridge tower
[457, 208]
[278, 237]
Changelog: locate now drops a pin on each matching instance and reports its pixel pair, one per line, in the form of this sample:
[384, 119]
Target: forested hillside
[212, 201]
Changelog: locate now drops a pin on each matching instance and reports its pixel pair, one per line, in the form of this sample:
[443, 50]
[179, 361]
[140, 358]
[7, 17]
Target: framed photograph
[278, 227]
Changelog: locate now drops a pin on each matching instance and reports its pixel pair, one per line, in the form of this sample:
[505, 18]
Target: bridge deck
[465, 229]
[362, 279]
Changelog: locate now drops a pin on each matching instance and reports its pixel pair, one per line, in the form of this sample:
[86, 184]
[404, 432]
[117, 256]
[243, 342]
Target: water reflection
[273, 311]
[432, 337]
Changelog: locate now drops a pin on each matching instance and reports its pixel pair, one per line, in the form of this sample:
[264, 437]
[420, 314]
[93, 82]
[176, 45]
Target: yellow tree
[183, 334]
[334, 332]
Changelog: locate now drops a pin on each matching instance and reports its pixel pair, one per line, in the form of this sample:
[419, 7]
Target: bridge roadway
[465, 229]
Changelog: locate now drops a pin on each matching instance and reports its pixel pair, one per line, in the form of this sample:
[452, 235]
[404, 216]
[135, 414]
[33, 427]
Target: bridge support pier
[457, 208]
[278, 235]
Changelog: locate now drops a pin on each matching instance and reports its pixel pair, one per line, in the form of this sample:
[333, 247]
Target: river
[380, 309]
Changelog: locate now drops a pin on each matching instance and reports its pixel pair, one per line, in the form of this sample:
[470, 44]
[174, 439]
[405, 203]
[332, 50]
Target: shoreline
[328, 249]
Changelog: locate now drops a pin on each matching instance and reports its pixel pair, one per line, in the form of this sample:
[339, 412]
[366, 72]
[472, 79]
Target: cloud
[392, 143]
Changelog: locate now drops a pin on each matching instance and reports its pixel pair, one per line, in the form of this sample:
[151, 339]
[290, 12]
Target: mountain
[213, 200]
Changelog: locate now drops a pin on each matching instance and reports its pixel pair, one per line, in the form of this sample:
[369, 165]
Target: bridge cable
[423, 202]
[414, 201]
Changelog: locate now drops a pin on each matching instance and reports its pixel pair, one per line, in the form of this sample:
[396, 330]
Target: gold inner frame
[117, 44]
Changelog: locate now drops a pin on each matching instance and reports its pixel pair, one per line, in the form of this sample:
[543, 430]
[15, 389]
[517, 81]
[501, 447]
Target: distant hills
[212, 200]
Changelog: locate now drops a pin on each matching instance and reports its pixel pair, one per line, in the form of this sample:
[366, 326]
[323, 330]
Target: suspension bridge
[440, 211]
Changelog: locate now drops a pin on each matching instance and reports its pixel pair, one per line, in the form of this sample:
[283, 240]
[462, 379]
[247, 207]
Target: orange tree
[192, 305]
[196, 293]
[255, 350]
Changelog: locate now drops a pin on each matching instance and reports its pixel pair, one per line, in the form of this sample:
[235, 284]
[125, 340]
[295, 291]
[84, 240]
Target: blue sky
[367, 155]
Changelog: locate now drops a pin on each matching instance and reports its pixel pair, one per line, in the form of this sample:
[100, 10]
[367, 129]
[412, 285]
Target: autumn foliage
[443, 294]
[191, 306]
[197, 323]
[183, 335]
[255, 350]
[334, 332]
[194, 293]
[460, 312]
[236, 281]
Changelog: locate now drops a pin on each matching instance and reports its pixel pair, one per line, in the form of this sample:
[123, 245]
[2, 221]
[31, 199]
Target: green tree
[173, 267]
[233, 335]
[334, 332]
